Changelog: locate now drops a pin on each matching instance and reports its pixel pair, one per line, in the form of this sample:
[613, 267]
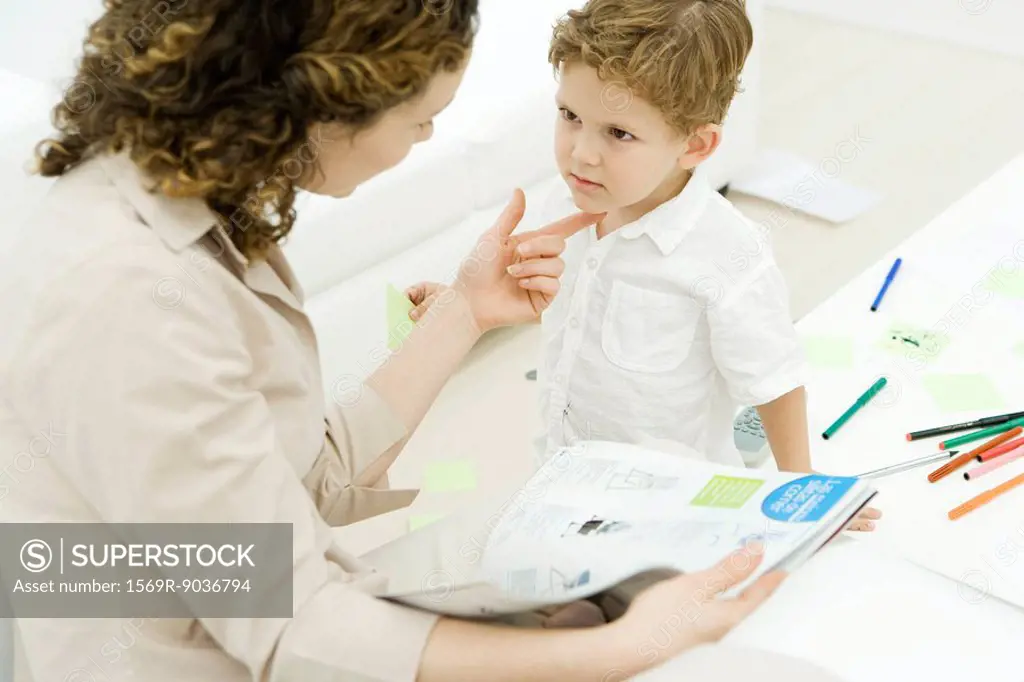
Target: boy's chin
[588, 203]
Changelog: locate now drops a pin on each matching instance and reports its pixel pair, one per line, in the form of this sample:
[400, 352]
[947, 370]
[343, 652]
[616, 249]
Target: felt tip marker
[978, 435]
[964, 426]
[885, 286]
[861, 402]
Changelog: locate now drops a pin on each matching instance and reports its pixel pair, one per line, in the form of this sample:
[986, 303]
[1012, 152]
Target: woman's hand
[508, 279]
[686, 611]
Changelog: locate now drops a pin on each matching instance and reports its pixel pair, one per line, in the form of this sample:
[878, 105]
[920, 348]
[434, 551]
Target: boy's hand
[865, 521]
[422, 296]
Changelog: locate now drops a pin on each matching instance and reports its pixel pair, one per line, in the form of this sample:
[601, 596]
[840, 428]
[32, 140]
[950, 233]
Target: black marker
[965, 426]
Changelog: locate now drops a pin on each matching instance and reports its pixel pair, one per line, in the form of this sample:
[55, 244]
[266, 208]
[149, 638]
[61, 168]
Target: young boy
[665, 324]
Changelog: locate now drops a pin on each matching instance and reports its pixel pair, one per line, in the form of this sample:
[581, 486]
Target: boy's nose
[585, 152]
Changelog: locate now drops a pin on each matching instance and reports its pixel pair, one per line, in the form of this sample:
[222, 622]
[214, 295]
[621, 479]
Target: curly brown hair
[212, 98]
[682, 56]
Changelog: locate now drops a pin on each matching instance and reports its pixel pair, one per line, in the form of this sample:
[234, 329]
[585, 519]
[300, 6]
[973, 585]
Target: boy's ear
[701, 144]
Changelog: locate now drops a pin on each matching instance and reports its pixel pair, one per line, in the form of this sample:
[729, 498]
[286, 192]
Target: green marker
[978, 435]
[861, 402]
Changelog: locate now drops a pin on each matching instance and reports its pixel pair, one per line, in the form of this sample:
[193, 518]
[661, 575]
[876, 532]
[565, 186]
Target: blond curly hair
[213, 98]
[682, 56]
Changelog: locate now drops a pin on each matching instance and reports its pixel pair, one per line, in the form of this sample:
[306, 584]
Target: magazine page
[607, 511]
[598, 514]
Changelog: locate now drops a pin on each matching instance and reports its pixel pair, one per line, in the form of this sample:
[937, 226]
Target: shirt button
[559, 379]
[592, 263]
[573, 322]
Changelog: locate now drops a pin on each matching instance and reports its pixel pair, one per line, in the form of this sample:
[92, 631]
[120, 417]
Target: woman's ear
[700, 145]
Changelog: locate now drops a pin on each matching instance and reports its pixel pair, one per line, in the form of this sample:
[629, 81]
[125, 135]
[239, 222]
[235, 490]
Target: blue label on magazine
[806, 499]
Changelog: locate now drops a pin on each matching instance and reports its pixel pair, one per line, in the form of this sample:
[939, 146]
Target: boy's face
[614, 150]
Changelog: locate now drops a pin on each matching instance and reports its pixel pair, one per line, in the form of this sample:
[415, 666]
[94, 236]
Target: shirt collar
[669, 223]
[179, 222]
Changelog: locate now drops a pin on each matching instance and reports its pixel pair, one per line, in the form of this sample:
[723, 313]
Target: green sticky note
[727, 492]
[1010, 285]
[399, 324]
[911, 341]
[417, 521]
[963, 392]
[830, 352]
[444, 477]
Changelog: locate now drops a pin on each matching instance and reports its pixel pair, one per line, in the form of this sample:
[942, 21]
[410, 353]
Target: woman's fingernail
[524, 283]
[514, 270]
[414, 314]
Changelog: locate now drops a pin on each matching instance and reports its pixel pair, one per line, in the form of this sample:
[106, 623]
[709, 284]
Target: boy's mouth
[582, 183]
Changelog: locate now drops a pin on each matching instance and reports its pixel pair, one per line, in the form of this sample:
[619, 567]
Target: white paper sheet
[814, 189]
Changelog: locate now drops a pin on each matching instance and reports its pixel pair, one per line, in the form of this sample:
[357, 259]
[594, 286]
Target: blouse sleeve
[358, 432]
[162, 426]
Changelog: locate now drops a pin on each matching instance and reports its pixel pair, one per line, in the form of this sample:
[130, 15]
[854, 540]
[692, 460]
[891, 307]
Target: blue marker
[888, 280]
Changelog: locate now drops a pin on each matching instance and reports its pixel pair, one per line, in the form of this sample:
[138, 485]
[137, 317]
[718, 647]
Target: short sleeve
[753, 340]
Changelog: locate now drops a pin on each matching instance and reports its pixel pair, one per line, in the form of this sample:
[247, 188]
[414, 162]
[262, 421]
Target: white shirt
[665, 327]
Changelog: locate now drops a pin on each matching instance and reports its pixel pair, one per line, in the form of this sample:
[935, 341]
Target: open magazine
[600, 514]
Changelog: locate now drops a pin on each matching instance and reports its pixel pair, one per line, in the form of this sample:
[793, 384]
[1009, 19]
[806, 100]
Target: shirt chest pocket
[649, 331]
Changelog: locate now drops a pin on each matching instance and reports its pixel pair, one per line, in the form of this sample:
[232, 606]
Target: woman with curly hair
[180, 147]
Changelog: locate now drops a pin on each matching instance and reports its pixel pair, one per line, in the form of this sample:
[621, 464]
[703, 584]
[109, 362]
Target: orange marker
[984, 498]
[949, 467]
[1004, 448]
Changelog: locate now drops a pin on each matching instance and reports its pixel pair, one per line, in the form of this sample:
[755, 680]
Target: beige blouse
[180, 383]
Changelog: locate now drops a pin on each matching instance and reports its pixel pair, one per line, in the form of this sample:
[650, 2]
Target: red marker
[996, 451]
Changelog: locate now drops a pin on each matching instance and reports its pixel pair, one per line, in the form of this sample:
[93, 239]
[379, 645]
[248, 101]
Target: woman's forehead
[438, 94]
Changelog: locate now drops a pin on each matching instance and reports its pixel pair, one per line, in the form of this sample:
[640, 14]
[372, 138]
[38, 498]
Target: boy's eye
[620, 134]
[568, 115]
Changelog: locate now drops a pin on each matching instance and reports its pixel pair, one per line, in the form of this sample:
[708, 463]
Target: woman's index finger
[566, 227]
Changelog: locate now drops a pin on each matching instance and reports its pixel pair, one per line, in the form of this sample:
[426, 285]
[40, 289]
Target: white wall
[986, 24]
[41, 39]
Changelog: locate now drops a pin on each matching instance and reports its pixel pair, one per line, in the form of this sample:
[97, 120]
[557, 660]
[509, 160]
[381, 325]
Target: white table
[867, 608]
